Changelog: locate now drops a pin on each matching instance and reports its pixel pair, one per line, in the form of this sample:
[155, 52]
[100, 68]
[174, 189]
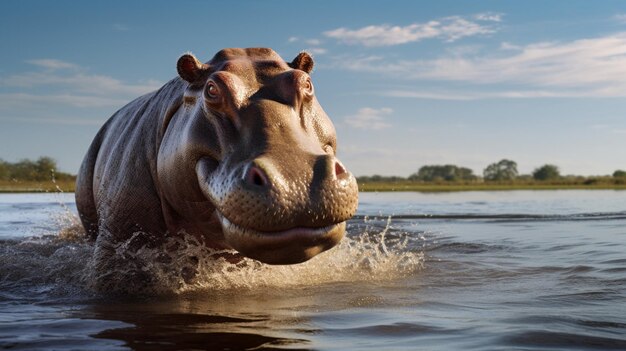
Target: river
[524, 270]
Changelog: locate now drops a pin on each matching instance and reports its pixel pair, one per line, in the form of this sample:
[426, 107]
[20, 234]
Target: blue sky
[407, 83]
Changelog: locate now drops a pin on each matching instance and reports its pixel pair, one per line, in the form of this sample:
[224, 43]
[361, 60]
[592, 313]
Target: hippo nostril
[339, 169]
[256, 176]
[258, 180]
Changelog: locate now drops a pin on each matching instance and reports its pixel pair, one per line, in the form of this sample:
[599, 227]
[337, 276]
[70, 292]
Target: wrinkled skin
[237, 152]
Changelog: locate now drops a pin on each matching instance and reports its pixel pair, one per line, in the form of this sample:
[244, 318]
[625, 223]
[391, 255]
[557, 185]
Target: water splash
[64, 263]
[362, 256]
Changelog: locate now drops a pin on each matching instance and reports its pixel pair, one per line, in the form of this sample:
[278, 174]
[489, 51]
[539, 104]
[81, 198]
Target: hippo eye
[211, 90]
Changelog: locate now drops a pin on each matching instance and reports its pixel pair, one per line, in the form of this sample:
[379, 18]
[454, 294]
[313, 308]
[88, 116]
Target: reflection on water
[484, 270]
[189, 324]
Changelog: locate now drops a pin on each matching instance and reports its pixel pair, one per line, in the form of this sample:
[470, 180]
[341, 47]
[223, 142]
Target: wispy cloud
[489, 16]
[448, 28]
[312, 41]
[508, 46]
[74, 100]
[430, 95]
[54, 120]
[83, 83]
[369, 118]
[480, 95]
[584, 67]
[314, 45]
[52, 64]
[69, 84]
[316, 51]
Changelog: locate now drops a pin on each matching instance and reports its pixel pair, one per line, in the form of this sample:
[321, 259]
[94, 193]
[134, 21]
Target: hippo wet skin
[236, 152]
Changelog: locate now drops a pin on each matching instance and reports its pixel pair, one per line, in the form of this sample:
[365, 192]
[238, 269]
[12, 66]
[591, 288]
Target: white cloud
[312, 42]
[456, 27]
[508, 46]
[316, 51]
[24, 99]
[314, 45]
[489, 16]
[80, 82]
[54, 120]
[52, 64]
[369, 118]
[69, 84]
[384, 35]
[467, 96]
[429, 95]
[584, 67]
[448, 28]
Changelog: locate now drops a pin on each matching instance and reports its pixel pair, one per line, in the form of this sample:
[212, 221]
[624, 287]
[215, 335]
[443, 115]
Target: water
[523, 270]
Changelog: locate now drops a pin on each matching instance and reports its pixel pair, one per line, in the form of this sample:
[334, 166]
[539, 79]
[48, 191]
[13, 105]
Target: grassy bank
[34, 186]
[69, 186]
[486, 186]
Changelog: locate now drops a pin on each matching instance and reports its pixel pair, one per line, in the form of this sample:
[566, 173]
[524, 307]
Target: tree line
[502, 171]
[45, 168]
[42, 169]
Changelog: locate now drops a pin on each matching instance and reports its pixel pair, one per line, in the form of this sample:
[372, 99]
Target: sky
[406, 83]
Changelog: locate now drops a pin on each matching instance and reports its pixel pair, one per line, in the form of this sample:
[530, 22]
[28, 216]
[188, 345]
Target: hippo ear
[189, 68]
[303, 62]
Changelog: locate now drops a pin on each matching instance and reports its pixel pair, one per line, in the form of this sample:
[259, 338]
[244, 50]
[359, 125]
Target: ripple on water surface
[480, 271]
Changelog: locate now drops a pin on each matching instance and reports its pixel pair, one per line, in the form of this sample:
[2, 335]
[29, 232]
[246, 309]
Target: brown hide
[237, 152]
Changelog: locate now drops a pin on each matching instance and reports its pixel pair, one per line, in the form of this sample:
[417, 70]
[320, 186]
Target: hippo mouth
[294, 245]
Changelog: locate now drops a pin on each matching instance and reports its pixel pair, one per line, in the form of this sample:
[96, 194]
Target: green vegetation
[34, 176]
[561, 184]
[42, 175]
[619, 174]
[503, 170]
[546, 172]
[449, 173]
[502, 175]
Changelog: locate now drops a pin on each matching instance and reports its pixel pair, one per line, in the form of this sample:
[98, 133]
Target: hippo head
[267, 162]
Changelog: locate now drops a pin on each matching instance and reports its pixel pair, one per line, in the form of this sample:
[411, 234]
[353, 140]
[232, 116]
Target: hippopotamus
[236, 152]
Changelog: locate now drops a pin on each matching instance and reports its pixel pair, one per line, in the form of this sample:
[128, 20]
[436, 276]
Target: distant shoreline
[33, 186]
[430, 187]
[485, 186]
[69, 186]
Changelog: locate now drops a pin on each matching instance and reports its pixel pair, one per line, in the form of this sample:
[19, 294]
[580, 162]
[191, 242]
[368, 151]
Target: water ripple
[540, 338]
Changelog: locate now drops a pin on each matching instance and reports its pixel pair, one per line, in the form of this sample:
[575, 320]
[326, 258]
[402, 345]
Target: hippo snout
[287, 209]
[268, 197]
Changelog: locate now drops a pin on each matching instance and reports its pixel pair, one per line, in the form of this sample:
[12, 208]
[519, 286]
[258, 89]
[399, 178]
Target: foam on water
[61, 264]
